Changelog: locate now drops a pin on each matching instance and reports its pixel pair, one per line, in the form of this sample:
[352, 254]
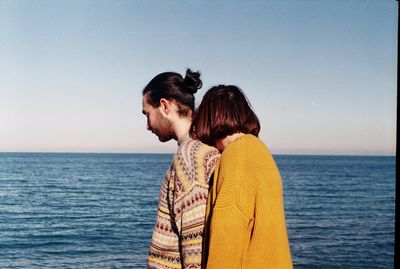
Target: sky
[320, 75]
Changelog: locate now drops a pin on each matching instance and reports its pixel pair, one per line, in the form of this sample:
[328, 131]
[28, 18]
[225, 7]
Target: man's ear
[165, 106]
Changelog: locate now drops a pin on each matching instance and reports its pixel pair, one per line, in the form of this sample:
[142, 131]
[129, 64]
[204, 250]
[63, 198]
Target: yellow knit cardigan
[245, 212]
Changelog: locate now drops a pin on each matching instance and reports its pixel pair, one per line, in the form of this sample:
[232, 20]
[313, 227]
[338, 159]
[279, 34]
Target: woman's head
[172, 86]
[224, 111]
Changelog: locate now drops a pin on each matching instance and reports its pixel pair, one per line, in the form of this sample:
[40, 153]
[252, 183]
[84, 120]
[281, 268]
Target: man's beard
[165, 130]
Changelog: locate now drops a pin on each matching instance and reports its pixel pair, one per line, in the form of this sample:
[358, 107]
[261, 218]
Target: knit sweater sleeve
[269, 244]
[229, 224]
[164, 249]
[247, 228]
[193, 170]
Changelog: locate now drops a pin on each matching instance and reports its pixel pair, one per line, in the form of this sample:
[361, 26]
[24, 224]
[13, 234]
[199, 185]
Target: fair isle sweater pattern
[178, 232]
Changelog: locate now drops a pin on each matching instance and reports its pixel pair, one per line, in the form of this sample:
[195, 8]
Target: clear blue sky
[321, 75]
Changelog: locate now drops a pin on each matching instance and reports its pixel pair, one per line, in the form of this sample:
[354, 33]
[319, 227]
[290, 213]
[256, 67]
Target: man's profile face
[156, 122]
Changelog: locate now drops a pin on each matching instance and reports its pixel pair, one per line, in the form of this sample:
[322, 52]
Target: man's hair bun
[191, 82]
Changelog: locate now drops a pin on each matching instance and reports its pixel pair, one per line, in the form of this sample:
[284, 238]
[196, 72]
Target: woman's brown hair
[223, 111]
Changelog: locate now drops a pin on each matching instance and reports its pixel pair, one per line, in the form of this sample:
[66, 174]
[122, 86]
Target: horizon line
[171, 153]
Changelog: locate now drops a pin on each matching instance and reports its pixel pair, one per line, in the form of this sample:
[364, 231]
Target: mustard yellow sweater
[245, 213]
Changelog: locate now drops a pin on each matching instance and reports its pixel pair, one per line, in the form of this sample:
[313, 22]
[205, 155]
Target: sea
[83, 210]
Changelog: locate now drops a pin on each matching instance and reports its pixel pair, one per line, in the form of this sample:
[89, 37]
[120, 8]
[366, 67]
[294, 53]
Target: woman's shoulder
[247, 148]
[245, 143]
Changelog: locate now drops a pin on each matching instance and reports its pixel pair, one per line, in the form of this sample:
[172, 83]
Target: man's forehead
[146, 107]
[145, 98]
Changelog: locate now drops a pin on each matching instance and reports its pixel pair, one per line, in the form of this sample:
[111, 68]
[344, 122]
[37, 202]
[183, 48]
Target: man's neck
[182, 128]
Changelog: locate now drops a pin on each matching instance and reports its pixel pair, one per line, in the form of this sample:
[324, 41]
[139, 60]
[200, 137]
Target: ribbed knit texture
[245, 212]
[178, 232]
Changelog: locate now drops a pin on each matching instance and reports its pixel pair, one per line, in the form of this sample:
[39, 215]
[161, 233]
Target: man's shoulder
[196, 148]
[193, 155]
[193, 163]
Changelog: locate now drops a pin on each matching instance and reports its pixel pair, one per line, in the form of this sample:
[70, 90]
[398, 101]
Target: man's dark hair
[223, 111]
[172, 86]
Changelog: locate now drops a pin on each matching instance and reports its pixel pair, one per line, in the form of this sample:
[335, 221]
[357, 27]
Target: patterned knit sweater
[178, 232]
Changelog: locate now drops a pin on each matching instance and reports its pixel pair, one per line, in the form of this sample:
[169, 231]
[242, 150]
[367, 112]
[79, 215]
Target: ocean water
[98, 210]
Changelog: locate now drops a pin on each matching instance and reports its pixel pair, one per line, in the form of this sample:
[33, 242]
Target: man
[168, 104]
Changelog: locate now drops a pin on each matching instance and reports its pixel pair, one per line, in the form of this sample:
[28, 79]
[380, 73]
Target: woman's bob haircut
[223, 111]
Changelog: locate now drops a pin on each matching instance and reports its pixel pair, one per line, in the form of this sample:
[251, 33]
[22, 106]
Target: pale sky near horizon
[321, 75]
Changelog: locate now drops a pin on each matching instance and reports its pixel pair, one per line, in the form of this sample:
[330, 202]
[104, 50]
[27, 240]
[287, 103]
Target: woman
[245, 213]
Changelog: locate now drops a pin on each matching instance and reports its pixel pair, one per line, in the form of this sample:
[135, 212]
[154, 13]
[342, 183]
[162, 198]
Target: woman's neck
[224, 142]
